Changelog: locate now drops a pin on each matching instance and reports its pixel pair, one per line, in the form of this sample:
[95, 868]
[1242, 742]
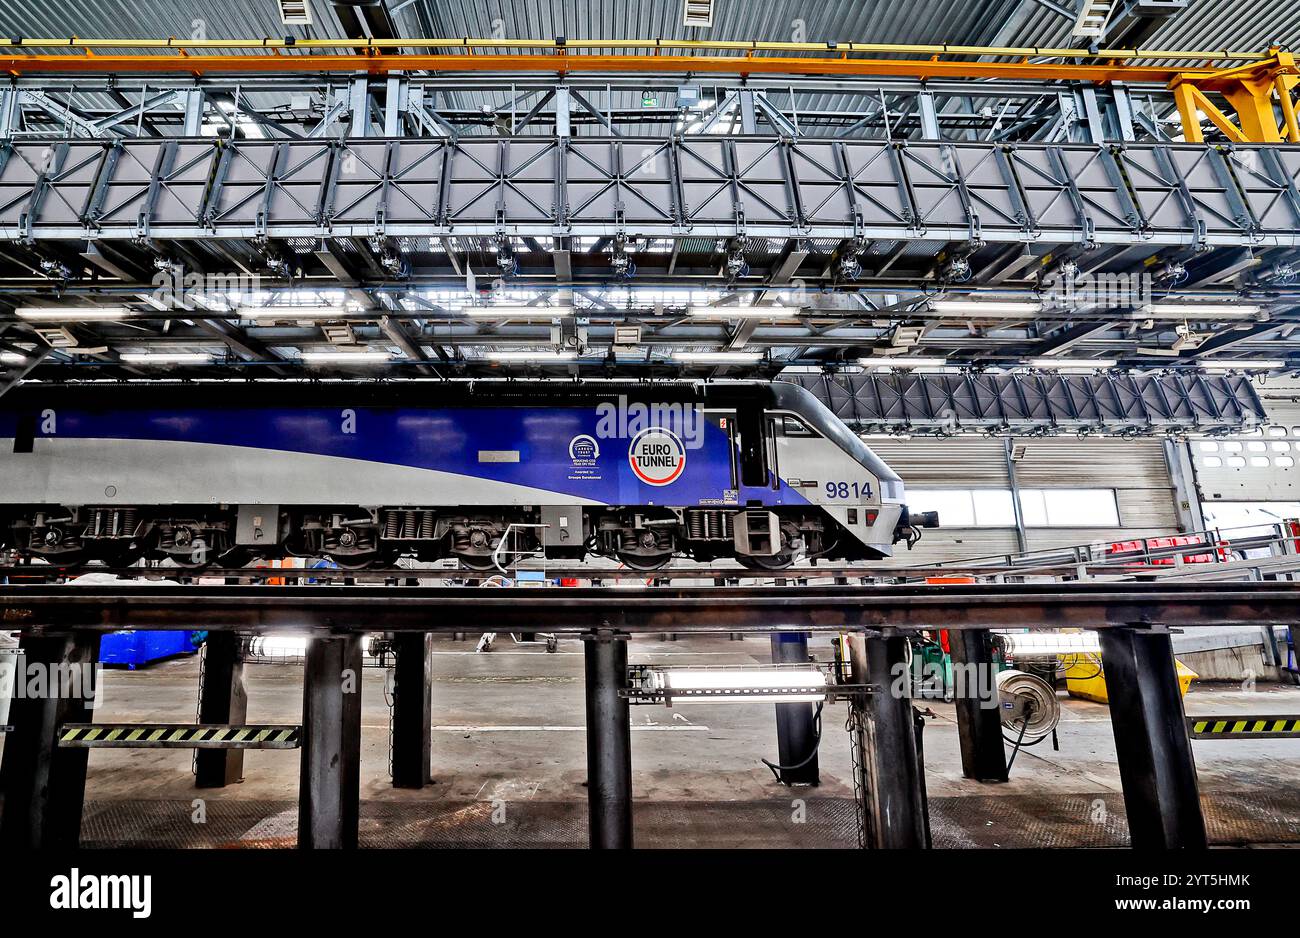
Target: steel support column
[979, 722]
[1156, 768]
[222, 699]
[55, 681]
[609, 742]
[330, 783]
[413, 710]
[796, 723]
[884, 741]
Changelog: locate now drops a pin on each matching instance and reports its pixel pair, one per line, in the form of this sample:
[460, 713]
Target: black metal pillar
[885, 752]
[55, 681]
[330, 786]
[222, 699]
[979, 720]
[413, 710]
[1156, 769]
[609, 742]
[796, 724]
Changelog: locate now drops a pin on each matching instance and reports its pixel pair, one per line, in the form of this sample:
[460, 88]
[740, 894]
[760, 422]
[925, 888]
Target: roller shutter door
[1134, 469]
[1260, 466]
[957, 462]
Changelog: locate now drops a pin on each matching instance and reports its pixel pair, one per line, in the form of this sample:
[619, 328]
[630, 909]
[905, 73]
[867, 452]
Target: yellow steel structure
[1259, 93]
[1258, 86]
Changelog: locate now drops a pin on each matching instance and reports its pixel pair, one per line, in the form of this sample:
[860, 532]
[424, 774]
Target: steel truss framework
[1059, 196]
[1039, 403]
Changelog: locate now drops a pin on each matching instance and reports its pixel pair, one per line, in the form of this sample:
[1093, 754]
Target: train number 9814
[859, 491]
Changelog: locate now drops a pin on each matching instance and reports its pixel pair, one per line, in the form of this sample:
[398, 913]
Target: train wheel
[125, 557]
[477, 562]
[775, 562]
[360, 562]
[647, 564]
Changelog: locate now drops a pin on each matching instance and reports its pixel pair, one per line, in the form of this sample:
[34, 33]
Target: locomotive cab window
[791, 427]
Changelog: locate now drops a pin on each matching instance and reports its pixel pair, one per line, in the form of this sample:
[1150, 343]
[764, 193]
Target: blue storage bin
[136, 647]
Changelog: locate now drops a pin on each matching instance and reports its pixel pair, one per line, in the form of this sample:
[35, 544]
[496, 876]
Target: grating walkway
[1025, 820]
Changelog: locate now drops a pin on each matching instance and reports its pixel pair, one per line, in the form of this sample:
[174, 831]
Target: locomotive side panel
[761, 475]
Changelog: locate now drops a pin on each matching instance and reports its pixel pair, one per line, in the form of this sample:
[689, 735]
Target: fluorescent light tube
[988, 307]
[346, 357]
[515, 312]
[291, 312]
[167, 358]
[718, 358]
[779, 685]
[1244, 364]
[744, 312]
[901, 362]
[1202, 309]
[71, 314]
[1055, 363]
[522, 356]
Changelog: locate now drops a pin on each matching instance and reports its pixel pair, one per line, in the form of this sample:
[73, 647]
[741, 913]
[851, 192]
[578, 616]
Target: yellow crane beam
[1257, 85]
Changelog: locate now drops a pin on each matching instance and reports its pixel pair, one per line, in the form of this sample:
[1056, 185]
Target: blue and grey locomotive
[202, 473]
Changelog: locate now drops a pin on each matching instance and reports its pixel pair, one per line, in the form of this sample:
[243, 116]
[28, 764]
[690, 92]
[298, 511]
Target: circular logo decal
[583, 447]
[657, 456]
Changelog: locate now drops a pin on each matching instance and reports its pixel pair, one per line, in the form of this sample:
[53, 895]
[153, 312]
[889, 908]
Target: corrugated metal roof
[1206, 23]
[151, 19]
[1235, 24]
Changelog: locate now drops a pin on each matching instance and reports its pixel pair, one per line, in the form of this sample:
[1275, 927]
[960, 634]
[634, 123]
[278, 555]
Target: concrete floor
[509, 730]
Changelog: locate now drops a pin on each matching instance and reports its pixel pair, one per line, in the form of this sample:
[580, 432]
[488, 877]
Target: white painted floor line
[524, 728]
[578, 654]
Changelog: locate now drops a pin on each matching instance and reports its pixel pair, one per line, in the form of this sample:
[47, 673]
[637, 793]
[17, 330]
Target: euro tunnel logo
[657, 456]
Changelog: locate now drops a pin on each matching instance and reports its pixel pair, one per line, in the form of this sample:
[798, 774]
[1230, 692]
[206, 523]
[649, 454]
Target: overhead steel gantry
[944, 170]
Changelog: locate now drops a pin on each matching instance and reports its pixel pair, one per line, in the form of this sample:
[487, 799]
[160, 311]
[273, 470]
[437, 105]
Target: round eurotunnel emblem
[657, 456]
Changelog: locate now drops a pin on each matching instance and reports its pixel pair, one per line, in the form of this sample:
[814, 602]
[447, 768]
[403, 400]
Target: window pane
[993, 508]
[1081, 507]
[1259, 462]
[1209, 446]
[1256, 446]
[1280, 446]
[1032, 507]
[1283, 462]
[954, 505]
[1212, 462]
[1236, 462]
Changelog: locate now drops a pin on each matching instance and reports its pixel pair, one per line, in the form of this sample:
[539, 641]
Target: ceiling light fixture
[1053, 364]
[904, 362]
[1202, 309]
[985, 307]
[718, 358]
[1243, 364]
[514, 312]
[71, 314]
[167, 358]
[744, 312]
[291, 312]
[522, 356]
[349, 358]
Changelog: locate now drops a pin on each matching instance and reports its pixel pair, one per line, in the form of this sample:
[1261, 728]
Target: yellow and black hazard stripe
[177, 736]
[1244, 727]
